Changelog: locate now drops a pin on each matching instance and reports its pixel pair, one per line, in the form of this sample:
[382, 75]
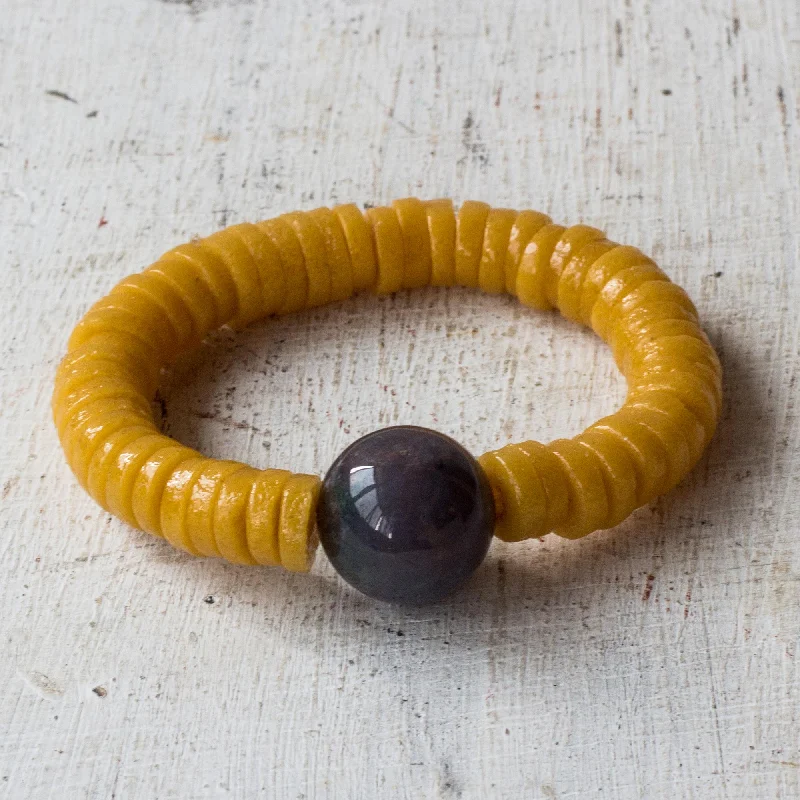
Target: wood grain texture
[655, 661]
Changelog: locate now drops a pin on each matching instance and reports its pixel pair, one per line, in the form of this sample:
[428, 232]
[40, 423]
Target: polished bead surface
[406, 515]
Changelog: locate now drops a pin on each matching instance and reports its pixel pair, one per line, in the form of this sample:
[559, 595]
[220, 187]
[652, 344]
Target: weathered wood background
[657, 661]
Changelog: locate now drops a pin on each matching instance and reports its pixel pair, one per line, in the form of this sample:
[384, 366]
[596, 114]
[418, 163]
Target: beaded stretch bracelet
[405, 514]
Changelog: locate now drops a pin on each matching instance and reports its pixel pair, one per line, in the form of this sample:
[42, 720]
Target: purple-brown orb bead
[406, 515]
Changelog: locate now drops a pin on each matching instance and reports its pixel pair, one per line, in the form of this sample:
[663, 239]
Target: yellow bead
[524, 508]
[315, 259]
[618, 473]
[202, 502]
[293, 263]
[602, 271]
[416, 242]
[359, 244]
[588, 503]
[533, 267]
[175, 501]
[119, 322]
[388, 238]
[229, 523]
[492, 267]
[264, 515]
[267, 260]
[470, 225]
[298, 537]
[525, 227]
[622, 284]
[237, 259]
[195, 293]
[161, 291]
[104, 459]
[123, 473]
[82, 434]
[571, 242]
[442, 232]
[645, 449]
[570, 284]
[149, 485]
[209, 269]
[336, 252]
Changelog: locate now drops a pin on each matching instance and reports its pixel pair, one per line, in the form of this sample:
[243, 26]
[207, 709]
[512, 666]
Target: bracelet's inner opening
[297, 389]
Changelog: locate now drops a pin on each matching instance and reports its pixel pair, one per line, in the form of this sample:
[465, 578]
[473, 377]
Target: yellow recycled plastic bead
[623, 283]
[190, 285]
[645, 448]
[671, 437]
[689, 380]
[416, 242]
[572, 241]
[298, 536]
[79, 426]
[533, 267]
[267, 260]
[105, 354]
[554, 479]
[338, 256]
[492, 267]
[441, 219]
[470, 226]
[637, 330]
[573, 275]
[534, 478]
[237, 259]
[691, 428]
[84, 433]
[525, 227]
[675, 351]
[229, 523]
[150, 483]
[600, 273]
[651, 294]
[146, 314]
[388, 238]
[163, 293]
[123, 472]
[210, 269]
[199, 518]
[104, 459]
[688, 390]
[618, 471]
[588, 504]
[84, 389]
[74, 378]
[293, 263]
[263, 516]
[518, 480]
[315, 258]
[358, 234]
[119, 322]
[175, 502]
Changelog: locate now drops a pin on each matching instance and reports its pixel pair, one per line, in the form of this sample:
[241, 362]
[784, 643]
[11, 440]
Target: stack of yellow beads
[107, 380]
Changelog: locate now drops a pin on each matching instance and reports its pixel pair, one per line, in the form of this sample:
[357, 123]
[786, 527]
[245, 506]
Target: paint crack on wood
[61, 95]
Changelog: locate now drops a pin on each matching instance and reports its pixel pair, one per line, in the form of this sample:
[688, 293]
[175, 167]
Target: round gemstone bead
[406, 515]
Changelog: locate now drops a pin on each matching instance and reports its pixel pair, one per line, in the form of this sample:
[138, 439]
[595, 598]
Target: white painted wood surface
[656, 661]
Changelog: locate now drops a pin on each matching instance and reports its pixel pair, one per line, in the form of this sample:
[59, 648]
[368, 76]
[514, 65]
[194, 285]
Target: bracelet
[405, 514]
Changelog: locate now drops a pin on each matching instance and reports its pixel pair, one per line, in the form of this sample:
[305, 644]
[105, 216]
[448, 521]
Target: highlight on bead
[107, 380]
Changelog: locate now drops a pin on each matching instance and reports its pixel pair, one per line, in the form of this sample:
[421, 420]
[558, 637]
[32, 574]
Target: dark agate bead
[406, 515]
